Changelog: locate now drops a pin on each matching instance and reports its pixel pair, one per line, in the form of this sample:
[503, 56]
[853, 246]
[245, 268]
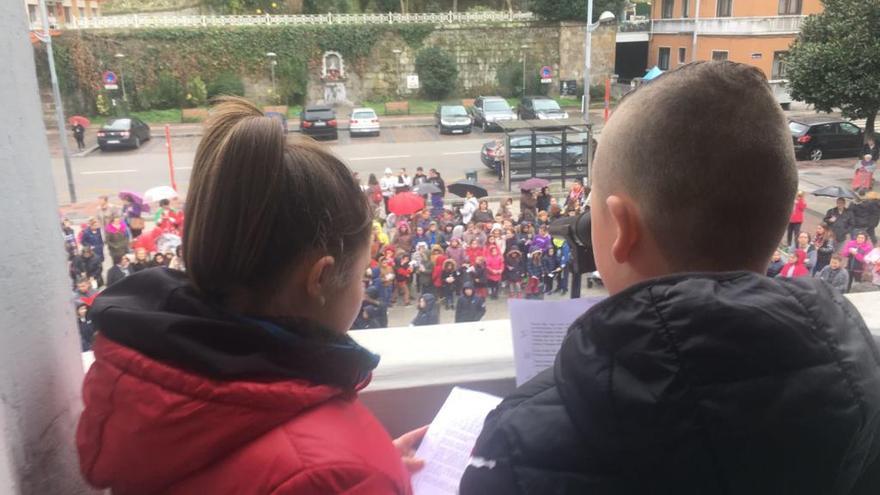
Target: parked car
[318, 121]
[548, 159]
[453, 118]
[363, 122]
[817, 137]
[129, 132]
[489, 110]
[539, 108]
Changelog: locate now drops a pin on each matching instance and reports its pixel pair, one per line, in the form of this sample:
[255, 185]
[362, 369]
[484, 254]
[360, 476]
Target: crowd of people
[842, 251]
[456, 257]
[118, 231]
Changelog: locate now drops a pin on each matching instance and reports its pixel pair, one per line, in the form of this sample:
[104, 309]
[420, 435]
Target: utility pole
[120, 56]
[56, 94]
[585, 101]
[524, 70]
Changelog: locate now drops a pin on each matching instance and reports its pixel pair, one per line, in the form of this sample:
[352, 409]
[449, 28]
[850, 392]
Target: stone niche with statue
[333, 78]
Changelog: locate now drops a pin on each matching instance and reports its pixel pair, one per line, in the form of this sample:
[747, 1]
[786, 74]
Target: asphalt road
[111, 171]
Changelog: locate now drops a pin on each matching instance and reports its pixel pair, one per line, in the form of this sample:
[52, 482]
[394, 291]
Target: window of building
[682, 55]
[685, 8]
[94, 12]
[778, 69]
[663, 59]
[67, 17]
[32, 13]
[82, 12]
[724, 8]
[719, 55]
[666, 9]
[789, 7]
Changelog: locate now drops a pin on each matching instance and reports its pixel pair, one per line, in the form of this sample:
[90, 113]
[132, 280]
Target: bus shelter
[553, 149]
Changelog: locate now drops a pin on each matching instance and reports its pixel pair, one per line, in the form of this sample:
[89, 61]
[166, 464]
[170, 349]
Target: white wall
[40, 373]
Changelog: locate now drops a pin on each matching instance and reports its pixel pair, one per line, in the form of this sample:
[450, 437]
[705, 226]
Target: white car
[364, 122]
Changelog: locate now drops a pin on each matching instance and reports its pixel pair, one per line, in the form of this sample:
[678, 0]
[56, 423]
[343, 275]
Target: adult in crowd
[853, 253]
[70, 243]
[403, 182]
[83, 292]
[106, 211]
[91, 236]
[468, 208]
[117, 238]
[698, 374]
[824, 244]
[374, 192]
[528, 206]
[246, 354]
[121, 268]
[805, 243]
[88, 265]
[132, 211]
[870, 148]
[872, 264]
[866, 215]
[387, 183]
[840, 220]
[835, 274]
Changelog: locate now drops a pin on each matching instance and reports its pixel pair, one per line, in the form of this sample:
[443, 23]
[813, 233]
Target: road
[109, 172]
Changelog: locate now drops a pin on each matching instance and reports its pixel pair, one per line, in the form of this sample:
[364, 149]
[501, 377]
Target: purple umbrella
[534, 183]
[136, 198]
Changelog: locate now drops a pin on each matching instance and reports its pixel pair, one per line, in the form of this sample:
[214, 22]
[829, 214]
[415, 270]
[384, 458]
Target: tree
[438, 72]
[574, 10]
[835, 62]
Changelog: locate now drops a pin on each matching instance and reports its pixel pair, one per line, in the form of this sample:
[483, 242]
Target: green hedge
[159, 64]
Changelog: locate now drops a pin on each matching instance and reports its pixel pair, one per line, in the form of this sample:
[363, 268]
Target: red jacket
[152, 428]
[797, 215]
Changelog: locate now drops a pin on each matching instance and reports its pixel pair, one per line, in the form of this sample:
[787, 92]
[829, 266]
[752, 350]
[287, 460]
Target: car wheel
[816, 154]
[137, 142]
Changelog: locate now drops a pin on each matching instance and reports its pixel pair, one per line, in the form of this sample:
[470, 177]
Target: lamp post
[397, 52]
[523, 48]
[120, 56]
[46, 37]
[272, 63]
[591, 26]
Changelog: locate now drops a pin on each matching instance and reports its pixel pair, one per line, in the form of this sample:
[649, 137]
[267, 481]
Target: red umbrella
[78, 119]
[406, 203]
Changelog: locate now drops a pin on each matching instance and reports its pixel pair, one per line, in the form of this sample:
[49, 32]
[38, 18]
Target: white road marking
[387, 157]
[182, 168]
[102, 172]
[461, 152]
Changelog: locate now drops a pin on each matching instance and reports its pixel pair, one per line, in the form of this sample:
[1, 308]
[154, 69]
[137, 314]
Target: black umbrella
[462, 187]
[426, 188]
[834, 192]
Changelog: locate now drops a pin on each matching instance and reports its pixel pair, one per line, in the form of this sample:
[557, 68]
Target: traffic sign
[546, 72]
[110, 80]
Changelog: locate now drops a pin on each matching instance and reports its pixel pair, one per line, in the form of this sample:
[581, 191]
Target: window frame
[785, 7]
[685, 9]
[778, 66]
[682, 55]
[660, 57]
[667, 9]
[729, 11]
[725, 52]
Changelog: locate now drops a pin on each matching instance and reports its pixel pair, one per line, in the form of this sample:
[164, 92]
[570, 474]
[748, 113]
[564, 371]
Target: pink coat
[494, 264]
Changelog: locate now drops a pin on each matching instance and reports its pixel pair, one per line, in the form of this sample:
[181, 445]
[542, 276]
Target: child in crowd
[796, 266]
[535, 282]
[428, 313]
[479, 275]
[373, 314]
[551, 268]
[853, 253]
[513, 272]
[776, 264]
[86, 328]
[450, 278]
[824, 244]
[404, 273]
[495, 270]
[835, 274]
[470, 306]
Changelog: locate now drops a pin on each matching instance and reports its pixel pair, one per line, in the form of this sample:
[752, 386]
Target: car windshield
[363, 115]
[496, 106]
[545, 105]
[319, 113]
[453, 111]
[797, 128]
[119, 125]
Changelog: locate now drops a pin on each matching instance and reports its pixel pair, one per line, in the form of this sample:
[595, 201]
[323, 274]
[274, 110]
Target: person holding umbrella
[79, 134]
[469, 207]
[132, 208]
[840, 220]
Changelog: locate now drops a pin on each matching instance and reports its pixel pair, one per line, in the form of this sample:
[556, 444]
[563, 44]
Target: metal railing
[789, 24]
[135, 21]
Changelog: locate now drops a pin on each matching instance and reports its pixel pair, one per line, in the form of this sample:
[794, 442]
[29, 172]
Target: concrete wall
[40, 365]
[480, 51]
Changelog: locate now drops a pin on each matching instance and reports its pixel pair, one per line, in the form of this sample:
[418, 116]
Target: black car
[548, 156]
[453, 118]
[540, 108]
[816, 138]
[319, 121]
[128, 132]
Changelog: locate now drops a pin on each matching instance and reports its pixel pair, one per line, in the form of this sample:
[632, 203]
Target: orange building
[62, 12]
[756, 32]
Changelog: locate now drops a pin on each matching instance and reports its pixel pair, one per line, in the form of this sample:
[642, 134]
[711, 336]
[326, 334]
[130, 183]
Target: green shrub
[597, 92]
[438, 72]
[168, 93]
[509, 77]
[102, 105]
[226, 84]
[196, 92]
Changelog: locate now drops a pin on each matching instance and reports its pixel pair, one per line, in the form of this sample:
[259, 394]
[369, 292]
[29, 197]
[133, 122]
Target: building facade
[756, 32]
[62, 12]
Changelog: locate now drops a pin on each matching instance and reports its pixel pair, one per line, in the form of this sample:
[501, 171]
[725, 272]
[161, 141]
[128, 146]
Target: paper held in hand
[446, 448]
[539, 327]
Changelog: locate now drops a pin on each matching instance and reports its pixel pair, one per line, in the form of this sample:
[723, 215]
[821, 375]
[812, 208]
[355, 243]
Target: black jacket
[470, 308]
[696, 384]
[373, 314]
[842, 224]
[865, 214]
[115, 274]
[430, 314]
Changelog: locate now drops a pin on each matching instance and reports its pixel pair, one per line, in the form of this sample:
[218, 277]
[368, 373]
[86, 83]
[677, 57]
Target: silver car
[490, 110]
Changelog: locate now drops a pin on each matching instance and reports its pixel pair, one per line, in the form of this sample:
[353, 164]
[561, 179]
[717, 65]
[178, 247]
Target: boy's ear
[627, 225]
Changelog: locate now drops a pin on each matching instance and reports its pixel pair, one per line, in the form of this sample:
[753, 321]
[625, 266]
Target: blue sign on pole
[109, 77]
[546, 72]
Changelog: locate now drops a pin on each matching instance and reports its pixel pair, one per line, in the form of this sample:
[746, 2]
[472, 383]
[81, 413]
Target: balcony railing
[736, 26]
[135, 21]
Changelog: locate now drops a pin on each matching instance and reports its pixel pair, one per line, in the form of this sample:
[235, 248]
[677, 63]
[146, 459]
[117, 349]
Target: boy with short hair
[698, 374]
[835, 274]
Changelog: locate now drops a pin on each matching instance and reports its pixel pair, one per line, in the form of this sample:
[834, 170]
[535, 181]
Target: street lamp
[523, 48]
[120, 56]
[591, 26]
[397, 52]
[272, 63]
